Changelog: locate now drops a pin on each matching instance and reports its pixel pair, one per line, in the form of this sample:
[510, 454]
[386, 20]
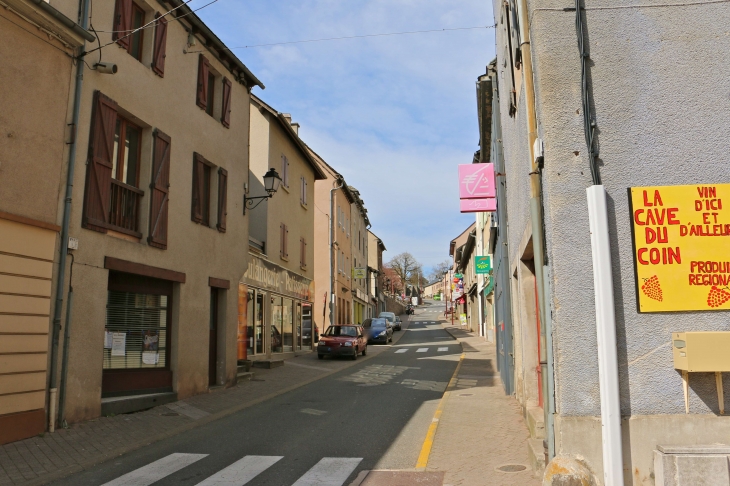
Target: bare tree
[407, 268]
[438, 270]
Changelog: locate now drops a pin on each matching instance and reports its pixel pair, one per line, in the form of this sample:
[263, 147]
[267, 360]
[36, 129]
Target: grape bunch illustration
[717, 297]
[652, 289]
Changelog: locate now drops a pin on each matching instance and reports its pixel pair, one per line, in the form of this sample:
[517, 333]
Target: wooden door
[213, 340]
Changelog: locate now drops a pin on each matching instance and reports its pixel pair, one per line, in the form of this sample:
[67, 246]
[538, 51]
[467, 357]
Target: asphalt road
[373, 415]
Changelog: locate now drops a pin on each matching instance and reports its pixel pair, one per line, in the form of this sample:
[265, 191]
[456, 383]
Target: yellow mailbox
[707, 352]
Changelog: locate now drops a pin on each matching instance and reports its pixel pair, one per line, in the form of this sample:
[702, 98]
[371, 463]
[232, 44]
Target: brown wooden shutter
[198, 192]
[99, 165]
[203, 69]
[122, 22]
[226, 112]
[281, 240]
[286, 242]
[222, 199]
[160, 190]
[158, 58]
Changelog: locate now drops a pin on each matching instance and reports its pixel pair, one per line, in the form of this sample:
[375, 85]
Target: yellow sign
[681, 237]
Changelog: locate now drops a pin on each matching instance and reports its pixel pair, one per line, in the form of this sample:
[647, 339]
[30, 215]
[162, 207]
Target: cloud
[394, 114]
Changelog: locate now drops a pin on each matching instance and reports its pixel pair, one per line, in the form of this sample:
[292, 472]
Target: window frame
[139, 34]
[122, 124]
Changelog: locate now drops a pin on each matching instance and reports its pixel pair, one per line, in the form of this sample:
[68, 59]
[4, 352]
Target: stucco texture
[660, 109]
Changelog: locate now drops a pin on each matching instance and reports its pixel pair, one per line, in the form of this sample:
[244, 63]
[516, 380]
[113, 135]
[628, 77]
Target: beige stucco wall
[200, 252]
[359, 258]
[35, 80]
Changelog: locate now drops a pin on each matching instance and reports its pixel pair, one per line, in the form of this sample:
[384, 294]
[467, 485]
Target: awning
[473, 289]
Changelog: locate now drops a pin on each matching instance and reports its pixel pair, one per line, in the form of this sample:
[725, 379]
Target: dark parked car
[378, 330]
[340, 340]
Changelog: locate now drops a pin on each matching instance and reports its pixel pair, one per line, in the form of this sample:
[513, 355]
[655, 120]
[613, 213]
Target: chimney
[295, 126]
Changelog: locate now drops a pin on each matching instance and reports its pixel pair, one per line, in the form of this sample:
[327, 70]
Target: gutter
[65, 21]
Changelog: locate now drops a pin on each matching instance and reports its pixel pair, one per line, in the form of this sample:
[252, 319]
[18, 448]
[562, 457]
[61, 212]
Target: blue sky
[394, 114]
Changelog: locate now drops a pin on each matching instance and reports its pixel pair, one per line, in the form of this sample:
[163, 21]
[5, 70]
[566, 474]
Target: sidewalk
[480, 428]
[44, 458]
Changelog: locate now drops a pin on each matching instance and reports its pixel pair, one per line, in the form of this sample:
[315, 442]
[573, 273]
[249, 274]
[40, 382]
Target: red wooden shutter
[122, 22]
[226, 112]
[158, 58]
[222, 199]
[160, 190]
[203, 69]
[198, 193]
[99, 166]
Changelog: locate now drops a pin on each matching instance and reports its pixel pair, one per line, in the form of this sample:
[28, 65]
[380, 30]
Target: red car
[342, 340]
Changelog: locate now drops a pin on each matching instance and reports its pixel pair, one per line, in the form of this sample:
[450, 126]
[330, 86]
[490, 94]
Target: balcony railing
[124, 208]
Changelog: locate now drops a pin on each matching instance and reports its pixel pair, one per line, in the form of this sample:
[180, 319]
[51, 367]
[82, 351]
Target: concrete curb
[75, 468]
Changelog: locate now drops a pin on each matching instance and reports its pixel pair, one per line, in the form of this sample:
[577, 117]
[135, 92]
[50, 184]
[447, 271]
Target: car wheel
[365, 351]
[354, 355]
[320, 356]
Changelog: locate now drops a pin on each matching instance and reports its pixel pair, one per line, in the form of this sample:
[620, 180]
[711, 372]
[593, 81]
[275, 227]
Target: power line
[351, 37]
[147, 25]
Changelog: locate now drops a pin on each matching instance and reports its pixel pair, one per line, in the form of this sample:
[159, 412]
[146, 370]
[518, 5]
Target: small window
[127, 150]
[136, 40]
[303, 189]
[202, 170]
[303, 253]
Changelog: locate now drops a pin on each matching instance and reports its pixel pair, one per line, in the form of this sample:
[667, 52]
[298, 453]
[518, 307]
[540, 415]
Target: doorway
[213, 337]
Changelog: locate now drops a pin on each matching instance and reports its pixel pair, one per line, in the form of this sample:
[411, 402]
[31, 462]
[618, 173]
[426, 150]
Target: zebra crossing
[329, 471]
[440, 349]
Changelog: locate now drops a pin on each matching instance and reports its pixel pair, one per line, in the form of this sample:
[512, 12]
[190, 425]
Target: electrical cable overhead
[148, 26]
[351, 37]
[151, 22]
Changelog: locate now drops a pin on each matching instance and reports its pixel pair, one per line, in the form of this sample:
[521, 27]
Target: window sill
[286, 259]
[303, 267]
[286, 188]
[304, 205]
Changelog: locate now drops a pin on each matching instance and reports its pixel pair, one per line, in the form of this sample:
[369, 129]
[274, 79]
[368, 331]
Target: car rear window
[377, 323]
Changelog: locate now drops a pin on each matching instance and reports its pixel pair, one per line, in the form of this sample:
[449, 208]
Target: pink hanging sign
[478, 205]
[476, 181]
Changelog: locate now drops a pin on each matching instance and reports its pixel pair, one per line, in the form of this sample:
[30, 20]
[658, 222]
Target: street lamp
[271, 184]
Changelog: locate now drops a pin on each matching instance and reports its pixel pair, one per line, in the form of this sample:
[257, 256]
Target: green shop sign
[490, 286]
[483, 264]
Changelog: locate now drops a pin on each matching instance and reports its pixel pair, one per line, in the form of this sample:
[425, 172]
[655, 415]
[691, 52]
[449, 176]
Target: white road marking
[241, 471]
[330, 471]
[153, 472]
[421, 350]
[402, 351]
[441, 350]
[313, 411]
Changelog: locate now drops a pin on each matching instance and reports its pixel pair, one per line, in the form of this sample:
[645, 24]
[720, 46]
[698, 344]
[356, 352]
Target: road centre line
[421, 350]
[422, 462]
[402, 350]
[441, 350]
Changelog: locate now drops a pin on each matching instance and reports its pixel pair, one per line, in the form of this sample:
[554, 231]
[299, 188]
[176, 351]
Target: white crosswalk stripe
[330, 471]
[241, 471]
[153, 472]
[421, 350]
[441, 350]
[402, 351]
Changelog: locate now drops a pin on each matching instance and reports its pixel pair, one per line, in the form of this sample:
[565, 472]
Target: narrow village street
[381, 420]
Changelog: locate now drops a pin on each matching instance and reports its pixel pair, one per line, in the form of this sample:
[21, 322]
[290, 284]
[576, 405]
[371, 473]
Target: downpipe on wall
[613, 474]
[61, 278]
[536, 217]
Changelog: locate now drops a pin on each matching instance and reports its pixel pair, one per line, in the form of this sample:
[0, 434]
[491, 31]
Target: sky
[394, 114]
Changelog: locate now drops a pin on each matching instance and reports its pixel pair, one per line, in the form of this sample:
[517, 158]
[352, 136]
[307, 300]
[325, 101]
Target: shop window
[250, 319]
[307, 325]
[277, 321]
[298, 325]
[259, 322]
[136, 331]
[287, 317]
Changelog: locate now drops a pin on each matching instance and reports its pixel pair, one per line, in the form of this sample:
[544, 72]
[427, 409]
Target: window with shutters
[303, 254]
[128, 17]
[303, 191]
[285, 171]
[160, 191]
[112, 195]
[214, 92]
[283, 242]
[202, 170]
